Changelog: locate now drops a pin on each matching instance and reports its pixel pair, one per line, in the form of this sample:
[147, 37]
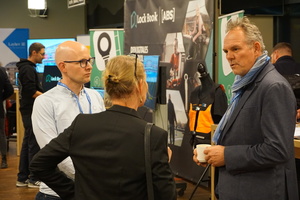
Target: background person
[172, 119]
[283, 60]
[107, 148]
[30, 88]
[6, 90]
[287, 66]
[175, 60]
[196, 36]
[55, 110]
[255, 146]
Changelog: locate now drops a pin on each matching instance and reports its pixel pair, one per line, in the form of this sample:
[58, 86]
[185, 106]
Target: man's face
[40, 56]
[75, 72]
[240, 55]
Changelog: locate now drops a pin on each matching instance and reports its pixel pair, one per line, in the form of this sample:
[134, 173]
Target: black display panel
[51, 76]
[253, 7]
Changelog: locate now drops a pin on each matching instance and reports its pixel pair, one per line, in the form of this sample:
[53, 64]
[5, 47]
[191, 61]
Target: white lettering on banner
[168, 15]
[152, 18]
[14, 44]
[141, 20]
[161, 16]
[147, 18]
[139, 49]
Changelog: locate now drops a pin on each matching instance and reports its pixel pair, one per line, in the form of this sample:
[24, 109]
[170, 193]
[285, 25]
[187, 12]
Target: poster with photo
[181, 32]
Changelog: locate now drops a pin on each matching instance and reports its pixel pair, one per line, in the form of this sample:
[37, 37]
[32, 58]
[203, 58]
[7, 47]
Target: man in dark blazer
[288, 67]
[255, 150]
[283, 60]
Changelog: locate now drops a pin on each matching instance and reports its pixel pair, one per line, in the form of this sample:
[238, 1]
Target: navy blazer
[107, 150]
[259, 145]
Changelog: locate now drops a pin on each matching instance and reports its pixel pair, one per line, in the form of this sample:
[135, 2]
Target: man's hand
[214, 156]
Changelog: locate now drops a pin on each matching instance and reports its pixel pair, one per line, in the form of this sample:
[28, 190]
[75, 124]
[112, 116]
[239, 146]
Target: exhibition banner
[181, 34]
[225, 75]
[105, 44]
[13, 45]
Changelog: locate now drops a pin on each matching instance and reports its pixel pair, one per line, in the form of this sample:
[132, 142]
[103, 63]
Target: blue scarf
[238, 89]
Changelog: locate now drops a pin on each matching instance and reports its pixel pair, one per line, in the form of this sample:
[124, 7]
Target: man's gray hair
[251, 31]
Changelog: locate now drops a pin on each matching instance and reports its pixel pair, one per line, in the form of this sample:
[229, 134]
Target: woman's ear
[140, 86]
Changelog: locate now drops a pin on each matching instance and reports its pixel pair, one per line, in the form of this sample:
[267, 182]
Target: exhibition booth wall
[151, 28]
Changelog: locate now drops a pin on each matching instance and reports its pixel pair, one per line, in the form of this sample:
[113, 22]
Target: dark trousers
[29, 148]
[298, 173]
[42, 196]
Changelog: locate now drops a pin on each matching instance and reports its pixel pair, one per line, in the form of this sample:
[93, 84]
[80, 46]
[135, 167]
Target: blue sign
[17, 42]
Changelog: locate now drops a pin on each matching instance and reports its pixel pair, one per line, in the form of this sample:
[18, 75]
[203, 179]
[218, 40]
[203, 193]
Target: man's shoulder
[92, 92]
[51, 94]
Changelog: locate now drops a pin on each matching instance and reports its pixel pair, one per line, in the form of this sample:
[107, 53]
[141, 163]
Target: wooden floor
[9, 191]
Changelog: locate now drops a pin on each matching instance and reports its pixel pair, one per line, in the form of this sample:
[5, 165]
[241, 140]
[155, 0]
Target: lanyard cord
[76, 97]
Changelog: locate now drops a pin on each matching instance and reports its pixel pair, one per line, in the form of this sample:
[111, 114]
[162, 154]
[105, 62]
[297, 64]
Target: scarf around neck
[238, 88]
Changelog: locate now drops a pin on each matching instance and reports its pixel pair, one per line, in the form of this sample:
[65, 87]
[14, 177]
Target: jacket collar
[124, 110]
[248, 91]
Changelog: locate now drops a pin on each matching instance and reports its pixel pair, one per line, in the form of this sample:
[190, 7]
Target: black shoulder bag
[148, 161]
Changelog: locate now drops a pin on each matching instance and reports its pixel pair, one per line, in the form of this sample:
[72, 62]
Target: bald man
[55, 110]
[283, 60]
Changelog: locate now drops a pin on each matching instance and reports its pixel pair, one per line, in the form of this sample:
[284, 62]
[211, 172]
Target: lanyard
[76, 97]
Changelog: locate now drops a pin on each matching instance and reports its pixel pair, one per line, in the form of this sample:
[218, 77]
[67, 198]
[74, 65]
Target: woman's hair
[121, 76]
[251, 31]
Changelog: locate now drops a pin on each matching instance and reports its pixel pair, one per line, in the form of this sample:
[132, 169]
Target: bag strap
[148, 161]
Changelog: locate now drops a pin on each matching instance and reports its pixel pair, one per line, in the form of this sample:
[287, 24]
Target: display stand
[212, 169]
[19, 122]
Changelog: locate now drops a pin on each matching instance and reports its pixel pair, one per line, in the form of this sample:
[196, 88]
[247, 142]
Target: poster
[105, 44]
[13, 45]
[181, 33]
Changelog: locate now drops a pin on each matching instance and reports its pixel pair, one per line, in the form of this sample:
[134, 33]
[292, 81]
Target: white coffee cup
[200, 154]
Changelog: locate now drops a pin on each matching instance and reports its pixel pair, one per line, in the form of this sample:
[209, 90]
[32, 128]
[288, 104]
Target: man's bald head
[69, 50]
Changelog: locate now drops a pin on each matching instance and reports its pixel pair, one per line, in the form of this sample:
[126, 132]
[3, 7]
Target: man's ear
[33, 53]
[257, 47]
[62, 66]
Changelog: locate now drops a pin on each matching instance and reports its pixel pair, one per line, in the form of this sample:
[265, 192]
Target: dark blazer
[259, 145]
[6, 89]
[107, 150]
[286, 65]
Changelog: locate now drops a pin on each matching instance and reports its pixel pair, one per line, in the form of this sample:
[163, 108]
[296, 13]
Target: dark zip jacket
[29, 84]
